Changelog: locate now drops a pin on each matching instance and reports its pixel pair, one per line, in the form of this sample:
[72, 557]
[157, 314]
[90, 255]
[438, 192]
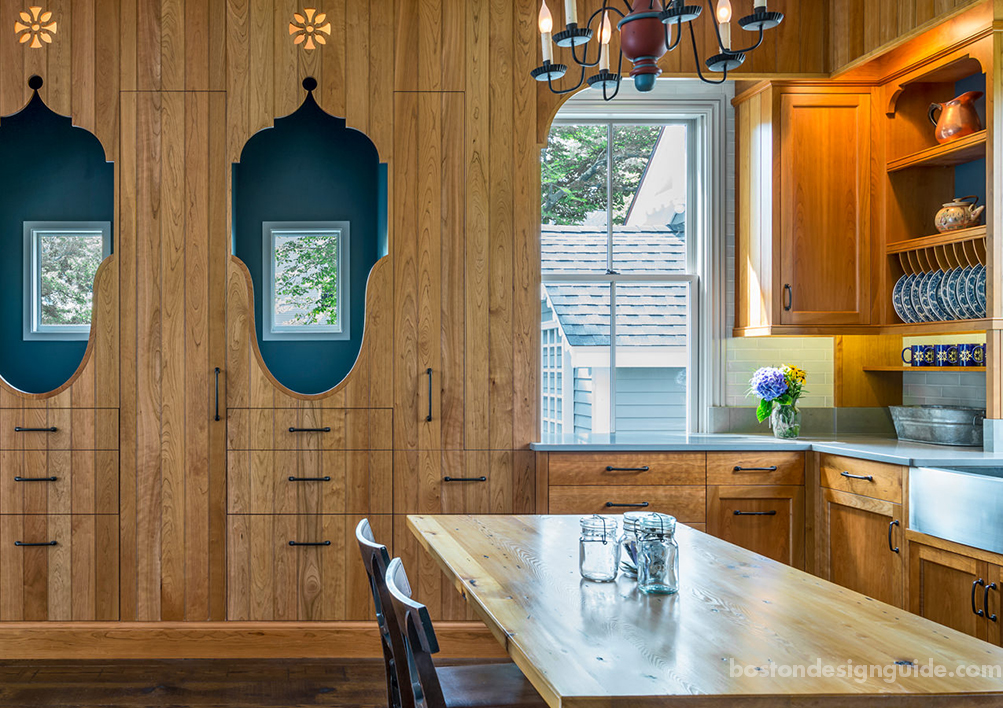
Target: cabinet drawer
[73, 579]
[59, 429]
[309, 481]
[633, 468]
[59, 482]
[686, 503]
[268, 579]
[744, 468]
[870, 479]
[309, 429]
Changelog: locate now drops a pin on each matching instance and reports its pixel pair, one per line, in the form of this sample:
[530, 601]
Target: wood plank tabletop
[743, 630]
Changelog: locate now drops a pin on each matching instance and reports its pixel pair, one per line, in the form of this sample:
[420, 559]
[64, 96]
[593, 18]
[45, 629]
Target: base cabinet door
[860, 545]
[766, 519]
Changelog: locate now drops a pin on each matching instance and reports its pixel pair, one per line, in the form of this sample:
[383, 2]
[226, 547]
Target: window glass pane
[575, 355]
[67, 263]
[649, 198]
[652, 357]
[306, 280]
[574, 199]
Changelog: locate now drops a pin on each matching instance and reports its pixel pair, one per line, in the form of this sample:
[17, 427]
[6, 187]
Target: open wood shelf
[954, 249]
[923, 369]
[944, 327]
[950, 237]
[966, 149]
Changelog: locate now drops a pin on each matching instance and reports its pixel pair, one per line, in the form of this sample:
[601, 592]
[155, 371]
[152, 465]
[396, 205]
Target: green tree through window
[306, 279]
[67, 266]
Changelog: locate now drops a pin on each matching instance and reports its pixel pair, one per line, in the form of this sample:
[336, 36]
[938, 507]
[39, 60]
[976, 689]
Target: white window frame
[704, 110]
[272, 332]
[33, 329]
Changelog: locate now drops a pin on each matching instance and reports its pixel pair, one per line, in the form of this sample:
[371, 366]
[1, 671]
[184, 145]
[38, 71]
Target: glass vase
[786, 422]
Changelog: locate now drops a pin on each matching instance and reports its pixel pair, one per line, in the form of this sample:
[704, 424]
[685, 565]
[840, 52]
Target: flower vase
[786, 422]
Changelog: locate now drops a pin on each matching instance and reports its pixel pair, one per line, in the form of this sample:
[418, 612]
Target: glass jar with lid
[628, 542]
[598, 549]
[657, 555]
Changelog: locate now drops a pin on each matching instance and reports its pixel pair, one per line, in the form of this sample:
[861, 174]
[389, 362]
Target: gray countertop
[879, 449]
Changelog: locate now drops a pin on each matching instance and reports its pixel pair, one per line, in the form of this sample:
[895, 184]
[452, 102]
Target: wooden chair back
[419, 642]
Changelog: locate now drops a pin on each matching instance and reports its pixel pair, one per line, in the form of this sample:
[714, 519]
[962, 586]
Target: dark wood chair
[468, 686]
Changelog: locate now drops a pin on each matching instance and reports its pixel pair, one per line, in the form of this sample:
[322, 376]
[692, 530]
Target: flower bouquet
[778, 390]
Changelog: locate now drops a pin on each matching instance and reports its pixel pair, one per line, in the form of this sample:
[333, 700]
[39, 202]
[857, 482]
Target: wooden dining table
[743, 630]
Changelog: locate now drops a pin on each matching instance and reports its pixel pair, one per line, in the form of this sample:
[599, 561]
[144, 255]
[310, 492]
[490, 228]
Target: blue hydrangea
[769, 383]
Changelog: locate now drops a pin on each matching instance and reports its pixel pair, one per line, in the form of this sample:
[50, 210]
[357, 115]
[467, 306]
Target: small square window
[305, 280]
[60, 262]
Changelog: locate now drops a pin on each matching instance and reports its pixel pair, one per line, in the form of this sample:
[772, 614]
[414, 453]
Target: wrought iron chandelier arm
[669, 46]
[588, 25]
[619, 80]
[581, 80]
[696, 59]
[750, 48]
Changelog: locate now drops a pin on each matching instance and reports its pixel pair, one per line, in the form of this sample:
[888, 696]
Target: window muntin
[305, 281]
[60, 262]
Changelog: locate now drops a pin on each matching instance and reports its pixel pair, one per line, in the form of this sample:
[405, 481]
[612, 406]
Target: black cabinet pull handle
[428, 371]
[643, 468]
[310, 430]
[309, 543]
[985, 602]
[217, 393]
[788, 297]
[771, 468]
[771, 512]
[465, 479]
[639, 505]
[19, 429]
[977, 612]
[893, 524]
[35, 479]
[22, 544]
[868, 477]
[310, 479]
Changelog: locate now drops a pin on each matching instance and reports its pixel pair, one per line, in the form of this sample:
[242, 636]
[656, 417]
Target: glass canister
[657, 555]
[598, 550]
[628, 542]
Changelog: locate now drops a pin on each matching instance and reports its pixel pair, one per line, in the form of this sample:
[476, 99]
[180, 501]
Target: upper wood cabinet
[803, 209]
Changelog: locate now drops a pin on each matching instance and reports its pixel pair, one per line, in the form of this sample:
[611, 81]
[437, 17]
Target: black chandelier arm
[669, 46]
[584, 61]
[559, 92]
[717, 29]
[696, 59]
[754, 46]
[619, 80]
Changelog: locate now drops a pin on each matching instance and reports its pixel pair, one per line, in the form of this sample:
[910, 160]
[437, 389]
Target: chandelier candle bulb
[604, 36]
[546, 24]
[570, 12]
[759, 5]
[724, 19]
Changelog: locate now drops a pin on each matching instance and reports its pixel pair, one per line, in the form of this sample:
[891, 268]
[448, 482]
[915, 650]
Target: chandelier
[648, 30]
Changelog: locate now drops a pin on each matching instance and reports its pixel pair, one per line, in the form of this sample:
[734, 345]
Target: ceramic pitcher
[958, 117]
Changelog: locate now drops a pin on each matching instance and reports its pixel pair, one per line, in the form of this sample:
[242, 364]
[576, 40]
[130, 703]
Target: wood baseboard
[225, 640]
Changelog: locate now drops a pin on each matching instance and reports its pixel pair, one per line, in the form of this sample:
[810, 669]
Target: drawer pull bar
[22, 544]
[891, 525]
[35, 479]
[985, 602]
[309, 543]
[771, 512]
[643, 468]
[465, 479]
[19, 429]
[310, 479]
[428, 418]
[771, 468]
[868, 477]
[977, 612]
[310, 430]
[217, 393]
[639, 505]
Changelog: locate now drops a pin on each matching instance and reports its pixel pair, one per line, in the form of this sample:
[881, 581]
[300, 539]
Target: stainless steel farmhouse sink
[958, 504]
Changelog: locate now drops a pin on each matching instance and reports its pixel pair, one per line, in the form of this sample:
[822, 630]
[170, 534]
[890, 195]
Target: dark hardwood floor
[197, 683]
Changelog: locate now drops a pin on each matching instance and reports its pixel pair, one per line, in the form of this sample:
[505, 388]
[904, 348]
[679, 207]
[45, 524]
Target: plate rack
[954, 249]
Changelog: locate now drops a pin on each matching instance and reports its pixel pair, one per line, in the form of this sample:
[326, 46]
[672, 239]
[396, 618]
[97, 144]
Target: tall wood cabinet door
[767, 519]
[945, 587]
[824, 209]
[857, 542]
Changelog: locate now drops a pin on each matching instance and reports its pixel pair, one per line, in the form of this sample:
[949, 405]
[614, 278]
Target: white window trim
[678, 100]
[32, 329]
[269, 330]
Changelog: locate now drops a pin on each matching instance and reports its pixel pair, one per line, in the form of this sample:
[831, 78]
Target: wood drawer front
[74, 580]
[880, 480]
[59, 482]
[744, 468]
[267, 579]
[630, 468]
[687, 504]
[309, 482]
[309, 429]
[75, 429]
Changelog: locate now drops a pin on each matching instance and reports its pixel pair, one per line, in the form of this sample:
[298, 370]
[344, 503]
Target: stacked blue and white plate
[954, 294]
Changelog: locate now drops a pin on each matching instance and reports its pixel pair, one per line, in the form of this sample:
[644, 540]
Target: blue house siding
[650, 400]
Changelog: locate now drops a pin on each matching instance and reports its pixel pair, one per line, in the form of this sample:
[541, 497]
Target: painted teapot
[959, 214]
[958, 117]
